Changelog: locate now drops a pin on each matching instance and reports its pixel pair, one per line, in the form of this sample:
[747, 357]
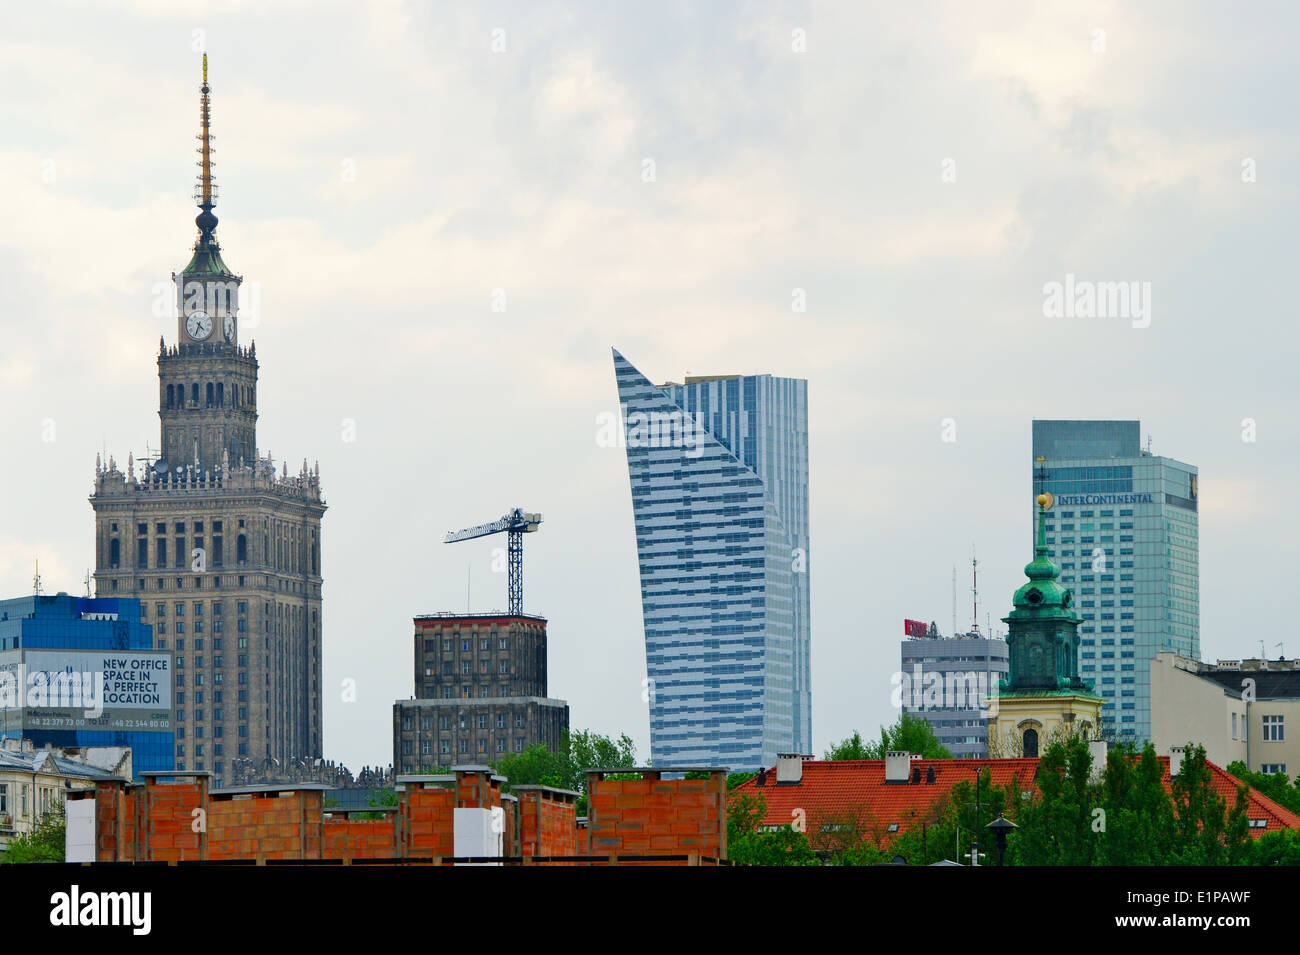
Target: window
[1268, 769]
[483, 644]
[1272, 729]
[482, 721]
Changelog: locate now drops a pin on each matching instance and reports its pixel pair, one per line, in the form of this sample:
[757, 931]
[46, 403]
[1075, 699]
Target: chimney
[1097, 749]
[898, 766]
[1176, 760]
[789, 768]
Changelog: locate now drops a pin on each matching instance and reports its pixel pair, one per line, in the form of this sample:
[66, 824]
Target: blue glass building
[719, 475]
[30, 626]
[1124, 530]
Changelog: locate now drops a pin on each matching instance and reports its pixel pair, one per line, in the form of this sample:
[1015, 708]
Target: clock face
[230, 328]
[199, 325]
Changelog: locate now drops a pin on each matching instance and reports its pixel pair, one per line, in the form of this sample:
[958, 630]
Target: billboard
[86, 690]
[915, 628]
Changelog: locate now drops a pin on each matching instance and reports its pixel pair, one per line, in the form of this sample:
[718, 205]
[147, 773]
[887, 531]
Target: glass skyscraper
[719, 474]
[1123, 528]
[106, 637]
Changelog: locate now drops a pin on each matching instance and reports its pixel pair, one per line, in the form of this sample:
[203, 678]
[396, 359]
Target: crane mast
[515, 524]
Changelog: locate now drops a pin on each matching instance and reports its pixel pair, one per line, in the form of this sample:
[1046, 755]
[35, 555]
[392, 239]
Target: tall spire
[205, 192]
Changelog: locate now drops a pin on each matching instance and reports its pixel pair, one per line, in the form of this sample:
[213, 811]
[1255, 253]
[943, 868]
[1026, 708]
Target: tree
[748, 844]
[910, 734]
[945, 829]
[1208, 833]
[47, 842]
[565, 768]
[1277, 787]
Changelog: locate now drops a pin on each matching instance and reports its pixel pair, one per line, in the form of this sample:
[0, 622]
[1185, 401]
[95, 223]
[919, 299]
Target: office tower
[719, 475]
[965, 669]
[1123, 528]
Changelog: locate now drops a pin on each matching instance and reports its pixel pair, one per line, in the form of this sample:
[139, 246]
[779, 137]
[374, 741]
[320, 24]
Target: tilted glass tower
[1124, 529]
[719, 473]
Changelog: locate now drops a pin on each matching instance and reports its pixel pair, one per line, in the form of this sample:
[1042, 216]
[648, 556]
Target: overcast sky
[920, 171]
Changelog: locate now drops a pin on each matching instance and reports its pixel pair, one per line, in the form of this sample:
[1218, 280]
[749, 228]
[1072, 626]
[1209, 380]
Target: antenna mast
[36, 581]
[954, 600]
[975, 591]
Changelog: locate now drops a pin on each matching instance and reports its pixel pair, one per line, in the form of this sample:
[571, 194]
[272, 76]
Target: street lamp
[1000, 827]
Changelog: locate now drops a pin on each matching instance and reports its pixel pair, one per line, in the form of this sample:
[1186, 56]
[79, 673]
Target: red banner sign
[915, 628]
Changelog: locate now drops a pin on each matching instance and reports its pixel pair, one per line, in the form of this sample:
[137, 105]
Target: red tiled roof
[830, 789]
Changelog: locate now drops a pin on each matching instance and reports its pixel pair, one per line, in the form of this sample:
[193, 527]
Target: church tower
[221, 548]
[1043, 698]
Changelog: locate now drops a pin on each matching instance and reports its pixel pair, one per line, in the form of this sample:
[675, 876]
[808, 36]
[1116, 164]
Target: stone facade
[481, 692]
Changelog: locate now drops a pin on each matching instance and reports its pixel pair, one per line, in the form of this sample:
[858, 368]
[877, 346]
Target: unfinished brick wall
[273, 825]
[651, 815]
[156, 821]
[425, 815]
[547, 821]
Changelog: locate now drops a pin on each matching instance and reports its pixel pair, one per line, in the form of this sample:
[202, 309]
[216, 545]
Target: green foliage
[746, 845]
[733, 779]
[945, 830]
[910, 734]
[384, 797]
[45, 843]
[1277, 787]
[564, 768]
[851, 748]
[738, 779]
[1274, 848]
[1129, 818]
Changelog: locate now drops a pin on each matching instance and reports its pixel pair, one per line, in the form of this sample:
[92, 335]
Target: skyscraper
[719, 473]
[1123, 528]
[221, 549]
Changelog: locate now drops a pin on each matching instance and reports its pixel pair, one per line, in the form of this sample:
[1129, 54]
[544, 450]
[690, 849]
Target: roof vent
[929, 776]
[1176, 754]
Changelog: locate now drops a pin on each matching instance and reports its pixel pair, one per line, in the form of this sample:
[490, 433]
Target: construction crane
[515, 525]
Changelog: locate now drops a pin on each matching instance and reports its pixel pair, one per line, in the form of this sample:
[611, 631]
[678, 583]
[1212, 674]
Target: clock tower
[207, 383]
[221, 547]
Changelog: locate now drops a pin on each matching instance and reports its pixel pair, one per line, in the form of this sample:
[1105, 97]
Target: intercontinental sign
[1135, 498]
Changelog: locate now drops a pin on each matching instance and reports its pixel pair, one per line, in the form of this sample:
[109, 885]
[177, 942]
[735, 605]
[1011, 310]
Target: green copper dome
[1042, 628]
[1042, 597]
